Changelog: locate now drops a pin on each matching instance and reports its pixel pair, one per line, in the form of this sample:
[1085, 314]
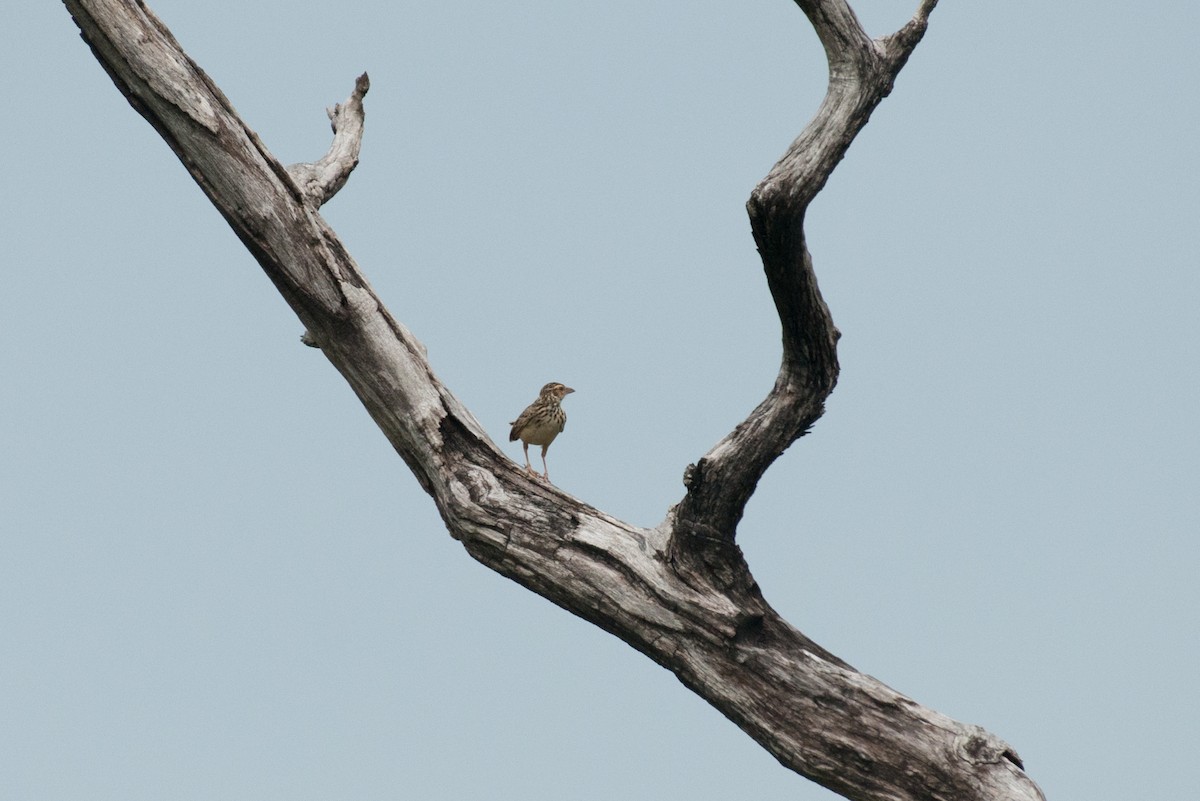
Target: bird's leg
[545, 470]
[528, 464]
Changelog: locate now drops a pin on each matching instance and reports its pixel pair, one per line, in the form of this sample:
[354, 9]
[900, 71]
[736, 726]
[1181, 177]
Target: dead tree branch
[681, 592]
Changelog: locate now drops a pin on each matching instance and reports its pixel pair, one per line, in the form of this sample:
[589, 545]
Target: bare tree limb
[861, 74]
[681, 592]
[900, 44]
[322, 179]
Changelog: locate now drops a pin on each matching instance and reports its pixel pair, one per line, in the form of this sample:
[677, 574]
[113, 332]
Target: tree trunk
[680, 593]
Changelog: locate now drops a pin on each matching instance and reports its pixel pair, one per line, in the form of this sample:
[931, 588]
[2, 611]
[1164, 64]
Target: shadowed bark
[680, 593]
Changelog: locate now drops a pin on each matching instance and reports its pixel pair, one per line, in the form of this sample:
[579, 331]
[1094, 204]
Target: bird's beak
[567, 390]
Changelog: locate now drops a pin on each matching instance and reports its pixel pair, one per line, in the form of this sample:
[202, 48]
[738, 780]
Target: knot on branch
[980, 747]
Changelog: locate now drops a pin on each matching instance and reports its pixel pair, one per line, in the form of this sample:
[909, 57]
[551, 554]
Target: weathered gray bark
[681, 592]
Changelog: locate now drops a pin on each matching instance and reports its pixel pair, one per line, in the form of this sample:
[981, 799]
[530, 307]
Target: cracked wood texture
[680, 593]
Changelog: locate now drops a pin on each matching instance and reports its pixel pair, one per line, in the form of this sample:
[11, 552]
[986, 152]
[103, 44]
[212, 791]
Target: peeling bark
[680, 593]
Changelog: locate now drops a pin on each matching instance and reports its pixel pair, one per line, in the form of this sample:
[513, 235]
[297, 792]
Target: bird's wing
[519, 423]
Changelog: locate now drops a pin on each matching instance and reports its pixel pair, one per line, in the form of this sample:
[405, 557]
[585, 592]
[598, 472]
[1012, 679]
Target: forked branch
[679, 593]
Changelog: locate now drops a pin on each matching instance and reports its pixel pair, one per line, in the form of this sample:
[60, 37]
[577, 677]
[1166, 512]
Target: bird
[541, 422]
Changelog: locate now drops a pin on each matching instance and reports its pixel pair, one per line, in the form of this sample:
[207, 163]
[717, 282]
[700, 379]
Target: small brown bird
[541, 422]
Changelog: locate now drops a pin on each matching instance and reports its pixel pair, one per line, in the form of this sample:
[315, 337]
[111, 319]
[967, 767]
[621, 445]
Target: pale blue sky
[218, 582]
